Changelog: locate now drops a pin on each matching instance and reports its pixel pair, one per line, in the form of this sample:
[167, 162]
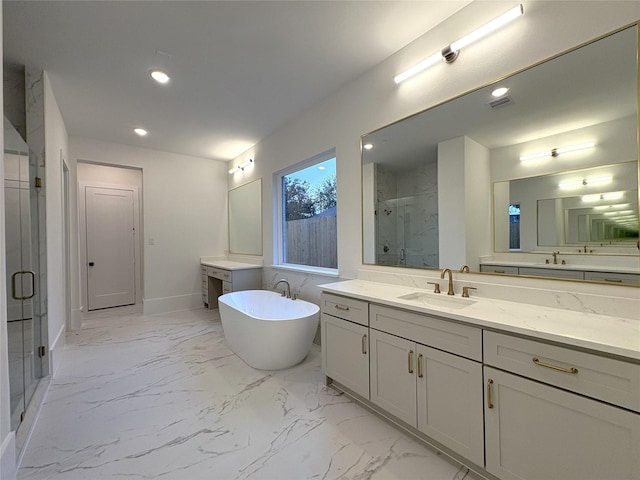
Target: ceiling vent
[501, 102]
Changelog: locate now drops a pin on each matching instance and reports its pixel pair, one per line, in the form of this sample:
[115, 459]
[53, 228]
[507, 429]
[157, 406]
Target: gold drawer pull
[410, 360]
[420, 357]
[342, 307]
[571, 370]
[489, 401]
[364, 344]
[614, 280]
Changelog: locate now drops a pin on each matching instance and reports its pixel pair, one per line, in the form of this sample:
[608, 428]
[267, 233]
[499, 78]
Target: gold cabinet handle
[571, 370]
[410, 360]
[489, 401]
[613, 280]
[342, 307]
[420, 357]
[364, 344]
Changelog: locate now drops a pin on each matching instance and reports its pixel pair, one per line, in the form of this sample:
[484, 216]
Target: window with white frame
[306, 215]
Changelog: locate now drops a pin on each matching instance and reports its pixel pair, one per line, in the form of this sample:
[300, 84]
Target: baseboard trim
[190, 301]
[8, 457]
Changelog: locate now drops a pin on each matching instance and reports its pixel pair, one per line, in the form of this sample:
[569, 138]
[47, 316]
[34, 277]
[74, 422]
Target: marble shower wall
[304, 285]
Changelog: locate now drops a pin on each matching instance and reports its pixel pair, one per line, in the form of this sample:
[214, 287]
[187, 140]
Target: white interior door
[110, 247]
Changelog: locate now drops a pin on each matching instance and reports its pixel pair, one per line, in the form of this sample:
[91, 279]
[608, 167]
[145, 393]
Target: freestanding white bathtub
[266, 330]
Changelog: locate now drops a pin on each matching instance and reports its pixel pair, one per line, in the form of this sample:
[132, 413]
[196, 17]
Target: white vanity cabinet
[536, 430]
[437, 392]
[510, 405]
[218, 279]
[345, 342]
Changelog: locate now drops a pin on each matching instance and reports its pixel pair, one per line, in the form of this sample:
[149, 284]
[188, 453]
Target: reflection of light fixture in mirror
[585, 182]
[617, 205]
[499, 92]
[450, 52]
[368, 146]
[141, 132]
[554, 152]
[603, 196]
[619, 212]
[241, 167]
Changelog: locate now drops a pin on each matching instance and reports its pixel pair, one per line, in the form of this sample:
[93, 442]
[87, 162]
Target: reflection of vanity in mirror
[541, 180]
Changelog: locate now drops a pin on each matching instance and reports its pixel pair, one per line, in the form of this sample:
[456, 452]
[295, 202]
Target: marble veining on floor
[162, 397]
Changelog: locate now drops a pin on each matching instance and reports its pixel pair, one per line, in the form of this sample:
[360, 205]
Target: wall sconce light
[585, 182]
[241, 167]
[603, 196]
[450, 52]
[557, 151]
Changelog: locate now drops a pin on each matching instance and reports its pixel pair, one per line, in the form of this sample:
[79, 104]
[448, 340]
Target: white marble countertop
[559, 266]
[229, 264]
[601, 333]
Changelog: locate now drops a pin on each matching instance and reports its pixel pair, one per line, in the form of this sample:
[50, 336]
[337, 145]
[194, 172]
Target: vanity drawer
[347, 308]
[203, 270]
[219, 273]
[552, 272]
[607, 379]
[452, 337]
[499, 269]
[608, 277]
[226, 287]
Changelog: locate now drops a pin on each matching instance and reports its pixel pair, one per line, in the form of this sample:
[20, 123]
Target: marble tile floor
[162, 397]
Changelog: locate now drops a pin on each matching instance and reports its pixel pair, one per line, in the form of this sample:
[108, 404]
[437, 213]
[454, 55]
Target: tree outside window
[309, 223]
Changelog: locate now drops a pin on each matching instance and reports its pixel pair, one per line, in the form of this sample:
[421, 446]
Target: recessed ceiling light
[159, 76]
[140, 132]
[368, 146]
[499, 92]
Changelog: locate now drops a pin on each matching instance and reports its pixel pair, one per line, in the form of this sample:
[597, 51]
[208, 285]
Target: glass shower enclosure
[26, 270]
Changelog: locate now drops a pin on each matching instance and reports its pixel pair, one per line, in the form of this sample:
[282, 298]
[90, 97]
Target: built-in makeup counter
[224, 276]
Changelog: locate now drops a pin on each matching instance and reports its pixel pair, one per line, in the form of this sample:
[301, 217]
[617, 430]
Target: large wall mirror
[245, 219]
[549, 165]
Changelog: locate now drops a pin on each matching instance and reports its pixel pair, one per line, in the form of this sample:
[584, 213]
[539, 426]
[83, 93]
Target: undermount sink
[432, 299]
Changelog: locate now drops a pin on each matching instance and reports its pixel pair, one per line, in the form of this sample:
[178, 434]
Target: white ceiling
[240, 69]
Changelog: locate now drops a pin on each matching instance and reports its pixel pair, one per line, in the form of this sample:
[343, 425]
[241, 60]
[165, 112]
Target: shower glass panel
[406, 212]
[25, 253]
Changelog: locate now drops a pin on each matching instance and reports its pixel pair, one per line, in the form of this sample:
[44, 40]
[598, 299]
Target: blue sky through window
[316, 174]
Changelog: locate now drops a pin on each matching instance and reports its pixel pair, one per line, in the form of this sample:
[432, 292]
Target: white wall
[184, 211]
[374, 100]
[56, 149]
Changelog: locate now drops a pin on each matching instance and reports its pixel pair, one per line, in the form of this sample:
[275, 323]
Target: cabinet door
[450, 402]
[393, 377]
[536, 432]
[345, 353]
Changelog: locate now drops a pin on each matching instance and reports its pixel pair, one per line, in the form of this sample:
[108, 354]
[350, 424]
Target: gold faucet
[444, 271]
[555, 257]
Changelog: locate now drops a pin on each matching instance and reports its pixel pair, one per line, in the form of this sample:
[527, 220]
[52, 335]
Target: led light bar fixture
[450, 52]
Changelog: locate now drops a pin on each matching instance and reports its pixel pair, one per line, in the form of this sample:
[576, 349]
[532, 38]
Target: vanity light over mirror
[245, 219]
[548, 164]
